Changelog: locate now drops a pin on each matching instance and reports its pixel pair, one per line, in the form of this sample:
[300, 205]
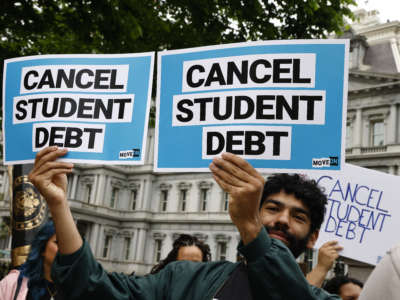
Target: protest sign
[279, 104]
[363, 212]
[96, 106]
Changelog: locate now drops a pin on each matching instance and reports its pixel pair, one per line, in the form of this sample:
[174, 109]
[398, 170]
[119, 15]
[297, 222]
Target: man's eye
[301, 218]
[272, 208]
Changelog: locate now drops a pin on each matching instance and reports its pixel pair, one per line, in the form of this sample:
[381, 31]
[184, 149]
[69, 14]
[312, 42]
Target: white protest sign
[279, 104]
[363, 212]
[96, 106]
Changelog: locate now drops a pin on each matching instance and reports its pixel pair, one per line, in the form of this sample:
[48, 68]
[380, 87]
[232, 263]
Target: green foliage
[31, 27]
[112, 26]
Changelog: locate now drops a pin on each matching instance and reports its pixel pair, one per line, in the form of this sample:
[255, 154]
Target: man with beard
[291, 210]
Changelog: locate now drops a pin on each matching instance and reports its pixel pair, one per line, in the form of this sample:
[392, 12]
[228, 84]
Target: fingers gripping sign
[328, 253]
[244, 185]
[49, 175]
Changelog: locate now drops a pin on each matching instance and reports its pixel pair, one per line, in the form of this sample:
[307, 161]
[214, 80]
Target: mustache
[283, 230]
[295, 245]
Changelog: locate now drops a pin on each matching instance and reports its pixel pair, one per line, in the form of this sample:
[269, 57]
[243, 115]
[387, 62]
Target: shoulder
[395, 258]
[10, 278]
[9, 283]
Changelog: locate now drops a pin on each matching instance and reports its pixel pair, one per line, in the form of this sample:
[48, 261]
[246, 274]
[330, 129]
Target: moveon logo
[325, 162]
[129, 153]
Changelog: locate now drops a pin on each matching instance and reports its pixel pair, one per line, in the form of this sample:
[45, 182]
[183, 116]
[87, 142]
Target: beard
[295, 245]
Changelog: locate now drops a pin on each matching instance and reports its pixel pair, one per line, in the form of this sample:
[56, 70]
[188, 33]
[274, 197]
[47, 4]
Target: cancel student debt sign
[94, 105]
[279, 104]
[362, 213]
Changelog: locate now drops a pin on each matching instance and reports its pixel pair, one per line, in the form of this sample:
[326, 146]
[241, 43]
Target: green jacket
[273, 273]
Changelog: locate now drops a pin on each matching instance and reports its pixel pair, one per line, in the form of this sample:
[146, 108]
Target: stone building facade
[131, 215]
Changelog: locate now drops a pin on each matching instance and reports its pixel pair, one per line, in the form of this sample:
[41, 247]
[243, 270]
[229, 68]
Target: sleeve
[80, 276]
[384, 281]
[273, 271]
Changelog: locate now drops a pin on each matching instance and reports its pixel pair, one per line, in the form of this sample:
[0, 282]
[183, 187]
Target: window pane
[378, 134]
[107, 245]
[127, 247]
[183, 200]
[348, 136]
[133, 199]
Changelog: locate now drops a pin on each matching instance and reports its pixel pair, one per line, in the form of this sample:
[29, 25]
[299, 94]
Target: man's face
[350, 291]
[288, 220]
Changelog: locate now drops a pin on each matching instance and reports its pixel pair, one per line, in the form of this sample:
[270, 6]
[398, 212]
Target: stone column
[392, 170]
[391, 130]
[99, 189]
[94, 236]
[74, 184]
[135, 243]
[141, 244]
[357, 134]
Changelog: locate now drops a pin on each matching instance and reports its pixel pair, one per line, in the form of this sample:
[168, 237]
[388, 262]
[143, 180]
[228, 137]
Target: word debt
[289, 106]
[252, 142]
[100, 78]
[64, 107]
[73, 136]
[266, 70]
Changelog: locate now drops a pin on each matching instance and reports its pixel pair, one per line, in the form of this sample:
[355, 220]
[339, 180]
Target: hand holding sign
[244, 185]
[327, 255]
[49, 176]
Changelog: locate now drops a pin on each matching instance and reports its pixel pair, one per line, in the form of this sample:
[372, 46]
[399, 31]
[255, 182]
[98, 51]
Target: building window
[88, 192]
[182, 200]
[221, 250]
[133, 199]
[127, 248]
[348, 136]
[114, 197]
[157, 252]
[225, 202]
[377, 133]
[203, 199]
[107, 246]
[164, 200]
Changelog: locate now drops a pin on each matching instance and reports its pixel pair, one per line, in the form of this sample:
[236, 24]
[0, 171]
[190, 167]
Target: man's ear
[312, 239]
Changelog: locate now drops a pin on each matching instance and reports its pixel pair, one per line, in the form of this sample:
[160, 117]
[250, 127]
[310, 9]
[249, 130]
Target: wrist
[323, 268]
[249, 231]
[56, 207]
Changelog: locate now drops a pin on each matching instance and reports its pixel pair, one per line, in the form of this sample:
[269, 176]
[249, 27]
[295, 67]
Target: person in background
[384, 281]
[346, 287]
[327, 255]
[32, 281]
[185, 247]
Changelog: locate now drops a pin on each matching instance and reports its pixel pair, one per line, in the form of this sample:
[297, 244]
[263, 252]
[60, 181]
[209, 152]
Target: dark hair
[304, 189]
[33, 267]
[334, 284]
[183, 240]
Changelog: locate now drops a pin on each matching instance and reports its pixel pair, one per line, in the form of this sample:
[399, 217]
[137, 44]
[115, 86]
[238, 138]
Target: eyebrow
[296, 209]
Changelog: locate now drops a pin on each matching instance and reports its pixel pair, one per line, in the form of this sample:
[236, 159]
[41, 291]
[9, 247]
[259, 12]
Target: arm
[327, 255]
[49, 177]
[244, 186]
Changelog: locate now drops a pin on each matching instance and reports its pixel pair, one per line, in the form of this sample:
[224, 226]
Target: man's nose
[283, 217]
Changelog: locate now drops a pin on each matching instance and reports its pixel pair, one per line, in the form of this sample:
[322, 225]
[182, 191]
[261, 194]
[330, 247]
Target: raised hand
[49, 175]
[244, 185]
[50, 178]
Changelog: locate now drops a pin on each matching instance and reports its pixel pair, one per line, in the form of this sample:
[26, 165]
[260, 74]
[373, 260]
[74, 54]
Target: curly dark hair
[304, 189]
[334, 284]
[183, 240]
